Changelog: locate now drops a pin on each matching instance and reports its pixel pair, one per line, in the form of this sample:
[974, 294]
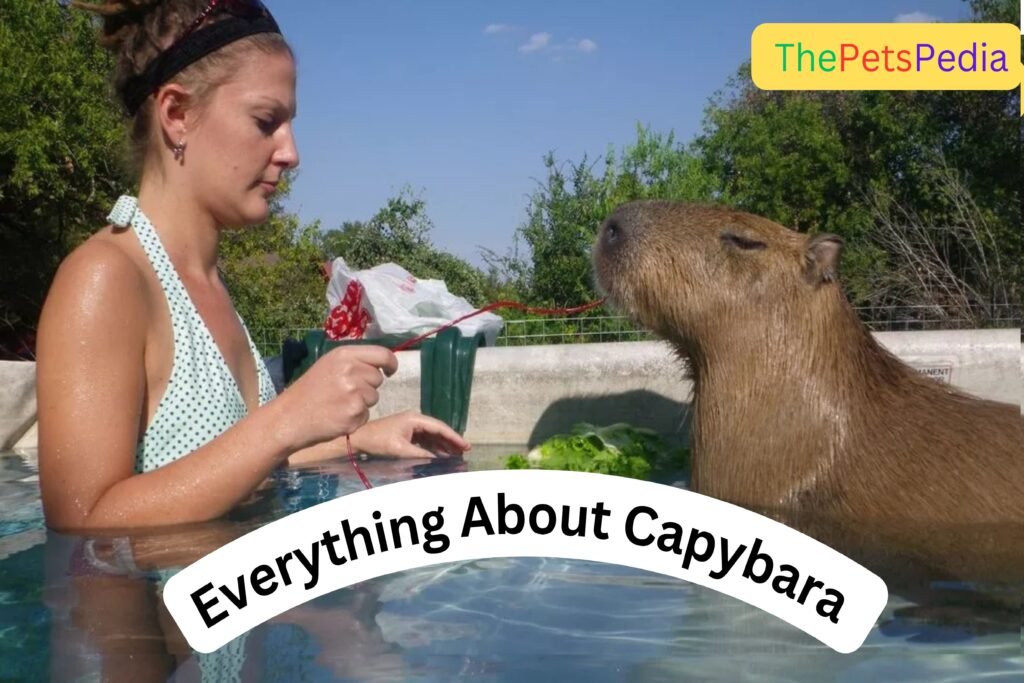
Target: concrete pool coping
[523, 394]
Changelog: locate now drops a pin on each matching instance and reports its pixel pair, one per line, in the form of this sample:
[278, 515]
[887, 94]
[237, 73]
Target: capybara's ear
[822, 258]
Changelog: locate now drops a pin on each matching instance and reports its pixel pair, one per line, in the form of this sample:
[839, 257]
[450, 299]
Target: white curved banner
[525, 513]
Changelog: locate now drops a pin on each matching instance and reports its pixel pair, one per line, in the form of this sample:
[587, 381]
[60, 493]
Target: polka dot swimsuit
[202, 399]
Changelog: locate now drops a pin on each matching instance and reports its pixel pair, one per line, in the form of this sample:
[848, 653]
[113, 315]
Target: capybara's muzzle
[616, 238]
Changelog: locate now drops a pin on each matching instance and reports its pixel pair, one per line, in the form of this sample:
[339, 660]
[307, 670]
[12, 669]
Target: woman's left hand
[410, 434]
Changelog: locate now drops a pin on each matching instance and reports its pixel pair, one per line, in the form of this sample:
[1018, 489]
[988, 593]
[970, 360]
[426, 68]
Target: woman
[154, 405]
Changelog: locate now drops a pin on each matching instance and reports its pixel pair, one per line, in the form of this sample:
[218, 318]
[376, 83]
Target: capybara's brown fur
[796, 406]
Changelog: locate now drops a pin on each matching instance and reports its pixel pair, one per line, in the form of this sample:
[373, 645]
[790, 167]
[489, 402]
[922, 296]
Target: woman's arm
[409, 434]
[91, 392]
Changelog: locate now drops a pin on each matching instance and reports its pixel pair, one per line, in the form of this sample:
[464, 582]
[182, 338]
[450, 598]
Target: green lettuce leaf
[617, 449]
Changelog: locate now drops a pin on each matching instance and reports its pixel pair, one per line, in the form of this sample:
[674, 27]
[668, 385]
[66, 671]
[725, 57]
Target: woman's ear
[172, 104]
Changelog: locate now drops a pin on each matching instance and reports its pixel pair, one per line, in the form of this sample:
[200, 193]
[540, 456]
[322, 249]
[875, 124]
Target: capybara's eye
[742, 242]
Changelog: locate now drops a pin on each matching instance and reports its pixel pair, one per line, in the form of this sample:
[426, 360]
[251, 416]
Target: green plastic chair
[446, 369]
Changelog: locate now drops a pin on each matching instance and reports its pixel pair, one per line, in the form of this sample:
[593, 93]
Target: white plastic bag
[395, 302]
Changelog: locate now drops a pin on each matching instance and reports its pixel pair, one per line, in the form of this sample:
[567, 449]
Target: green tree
[60, 139]
[877, 167]
[779, 154]
[566, 210]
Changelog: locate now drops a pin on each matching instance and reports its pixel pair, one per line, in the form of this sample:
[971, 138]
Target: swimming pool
[513, 619]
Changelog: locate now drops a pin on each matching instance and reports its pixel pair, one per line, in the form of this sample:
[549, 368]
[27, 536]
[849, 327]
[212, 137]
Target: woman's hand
[334, 396]
[408, 435]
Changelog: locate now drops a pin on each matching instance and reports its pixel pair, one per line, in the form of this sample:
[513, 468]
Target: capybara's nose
[614, 230]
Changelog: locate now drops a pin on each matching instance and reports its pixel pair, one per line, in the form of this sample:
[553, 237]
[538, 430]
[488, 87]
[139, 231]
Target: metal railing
[577, 330]
[268, 340]
[896, 318]
[584, 329]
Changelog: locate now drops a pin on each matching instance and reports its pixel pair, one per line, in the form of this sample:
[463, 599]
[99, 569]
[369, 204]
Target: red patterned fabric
[348, 320]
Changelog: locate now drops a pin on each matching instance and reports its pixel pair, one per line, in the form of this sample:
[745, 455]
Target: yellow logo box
[886, 56]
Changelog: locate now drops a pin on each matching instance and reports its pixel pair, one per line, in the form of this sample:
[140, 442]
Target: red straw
[489, 307]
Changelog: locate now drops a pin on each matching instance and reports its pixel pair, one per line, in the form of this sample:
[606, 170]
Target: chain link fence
[589, 329]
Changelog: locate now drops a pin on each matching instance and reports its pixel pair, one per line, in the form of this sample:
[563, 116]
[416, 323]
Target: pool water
[525, 619]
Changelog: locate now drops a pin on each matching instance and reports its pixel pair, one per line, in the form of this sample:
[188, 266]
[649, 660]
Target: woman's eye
[267, 126]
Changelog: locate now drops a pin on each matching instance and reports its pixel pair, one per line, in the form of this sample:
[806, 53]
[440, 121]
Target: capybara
[796, 406]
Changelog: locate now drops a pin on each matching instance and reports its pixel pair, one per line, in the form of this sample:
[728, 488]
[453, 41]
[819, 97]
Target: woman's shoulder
[106, 257]
[100, 279]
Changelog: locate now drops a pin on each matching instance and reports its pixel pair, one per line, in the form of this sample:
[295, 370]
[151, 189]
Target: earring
[179, 150]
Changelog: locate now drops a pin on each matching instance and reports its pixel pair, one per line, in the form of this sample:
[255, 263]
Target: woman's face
[243, 141]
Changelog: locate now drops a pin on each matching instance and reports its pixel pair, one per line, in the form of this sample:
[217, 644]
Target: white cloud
[538, 41]
[915, 18]
[498, 28]
[543, 42]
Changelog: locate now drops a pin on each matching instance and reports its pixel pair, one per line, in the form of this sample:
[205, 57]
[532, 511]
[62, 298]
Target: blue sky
[421, 93]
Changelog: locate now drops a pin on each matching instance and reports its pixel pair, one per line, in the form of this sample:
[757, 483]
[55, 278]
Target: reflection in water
[74, 608]
[108, 618]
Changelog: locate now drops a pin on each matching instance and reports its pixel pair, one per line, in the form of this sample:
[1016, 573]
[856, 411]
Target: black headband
[194, 47]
